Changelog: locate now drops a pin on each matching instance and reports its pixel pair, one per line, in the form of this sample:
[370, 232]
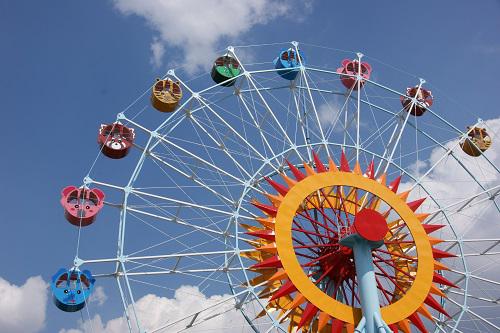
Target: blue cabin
[288, 59]
[71, 289]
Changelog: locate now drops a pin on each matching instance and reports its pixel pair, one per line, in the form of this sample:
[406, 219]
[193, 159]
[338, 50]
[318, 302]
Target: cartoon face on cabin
[116, 136]
[71, 288]
[116, 142]
[81, 205]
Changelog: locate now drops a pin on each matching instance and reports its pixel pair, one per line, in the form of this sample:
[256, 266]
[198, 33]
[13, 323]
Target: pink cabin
[81, 205]
[349, 71]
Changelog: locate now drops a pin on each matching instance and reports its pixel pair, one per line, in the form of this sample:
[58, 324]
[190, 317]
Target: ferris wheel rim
[154, 135]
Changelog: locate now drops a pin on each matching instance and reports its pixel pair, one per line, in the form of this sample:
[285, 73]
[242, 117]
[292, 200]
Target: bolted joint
[77, 262]
[87, 181]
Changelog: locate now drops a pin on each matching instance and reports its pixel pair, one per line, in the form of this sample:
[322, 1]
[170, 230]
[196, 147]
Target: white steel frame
[251, 182]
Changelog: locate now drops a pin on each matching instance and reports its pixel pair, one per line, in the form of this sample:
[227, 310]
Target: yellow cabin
[166, 95]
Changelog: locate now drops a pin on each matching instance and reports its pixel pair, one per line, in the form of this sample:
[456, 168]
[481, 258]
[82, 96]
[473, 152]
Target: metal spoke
[187, 212]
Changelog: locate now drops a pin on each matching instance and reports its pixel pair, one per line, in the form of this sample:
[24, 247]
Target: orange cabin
[477, 142]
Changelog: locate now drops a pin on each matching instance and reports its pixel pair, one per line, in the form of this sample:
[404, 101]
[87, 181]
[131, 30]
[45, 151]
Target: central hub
[370, 225]
[338, 262]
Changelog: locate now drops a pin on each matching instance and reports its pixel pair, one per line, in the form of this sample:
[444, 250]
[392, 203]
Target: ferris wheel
[318, 198]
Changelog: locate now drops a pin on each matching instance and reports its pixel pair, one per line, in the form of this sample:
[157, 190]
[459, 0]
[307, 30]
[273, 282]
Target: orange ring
[391, 313]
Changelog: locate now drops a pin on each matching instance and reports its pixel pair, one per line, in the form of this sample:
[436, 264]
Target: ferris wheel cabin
[81, 205]
[115, 140]
[288, 59]
[350, 69]
[362, 239]
[166, 95]
[477, 141]
[423, 100]
[224, 70]
[71, 289]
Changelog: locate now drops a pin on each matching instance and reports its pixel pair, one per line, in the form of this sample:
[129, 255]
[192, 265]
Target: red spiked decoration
[442, 280]
[320, 167]
[296, 172]
[273, 262]
[309, 312]
[263, 233]
[321, 222]
[285, 289]
[281, 189]
[439, 254]
[435, 305]
[394, 185]
[415, 204]
[415, 320]
[344, 164]
[269, 210]
[429, 228]
[370, 171]
[81, 205]
[337, 326]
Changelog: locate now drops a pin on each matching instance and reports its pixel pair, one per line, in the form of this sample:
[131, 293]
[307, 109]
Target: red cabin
[115, 140]
[81, 205]
[424, 100]
[352, 67]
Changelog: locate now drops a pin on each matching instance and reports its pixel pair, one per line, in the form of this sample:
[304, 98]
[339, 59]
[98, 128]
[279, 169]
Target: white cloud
[155, 311]
[23, 308]
[328, 113]
[449, 182]
[196, 27]
[98, 296]
[157, 53]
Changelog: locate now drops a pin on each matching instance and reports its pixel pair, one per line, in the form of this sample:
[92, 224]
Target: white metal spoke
[268, 108]
[188, 207]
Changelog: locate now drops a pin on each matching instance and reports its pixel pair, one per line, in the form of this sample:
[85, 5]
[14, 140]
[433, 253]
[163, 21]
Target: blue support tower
[371, 321]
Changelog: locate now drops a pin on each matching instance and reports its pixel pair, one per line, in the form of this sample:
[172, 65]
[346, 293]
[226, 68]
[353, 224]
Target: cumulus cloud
[155, 311]
[328, 113]
[450, 182]
[16, 316]
[98, 296]
[157, 53]
[196, 27]
[449, 169]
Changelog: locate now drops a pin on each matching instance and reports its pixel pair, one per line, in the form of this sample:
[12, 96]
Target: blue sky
[67, 66]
